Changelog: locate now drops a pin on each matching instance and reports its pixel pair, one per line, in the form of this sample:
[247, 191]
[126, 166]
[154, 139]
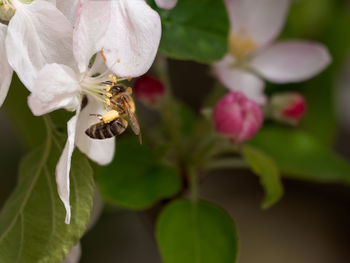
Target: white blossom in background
[254, 55]
[166, 4]
[128, 33]
[37, 33]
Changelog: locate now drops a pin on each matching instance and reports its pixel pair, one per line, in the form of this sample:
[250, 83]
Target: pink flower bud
[237, 117]
[148, 89]
[288, 107]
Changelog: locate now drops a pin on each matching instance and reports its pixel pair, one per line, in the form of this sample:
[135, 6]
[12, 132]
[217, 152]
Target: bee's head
[117, 89]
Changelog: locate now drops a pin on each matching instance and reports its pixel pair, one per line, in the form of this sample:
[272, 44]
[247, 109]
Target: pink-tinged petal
[5, 69]
[166, 4]
[291, 61]
[100, 151]
[74, 255]
[238, 80]
[64, 165]
[38, 34]
[131, 41]
[90, 28]
[261, 20]
[56, 87]
[70, 8]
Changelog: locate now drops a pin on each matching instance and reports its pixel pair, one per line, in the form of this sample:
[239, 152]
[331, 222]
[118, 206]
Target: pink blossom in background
[237, 117]
[287, 107]
[148, 89]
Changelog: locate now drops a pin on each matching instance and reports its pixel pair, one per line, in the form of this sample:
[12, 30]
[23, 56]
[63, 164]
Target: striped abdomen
[107, 130]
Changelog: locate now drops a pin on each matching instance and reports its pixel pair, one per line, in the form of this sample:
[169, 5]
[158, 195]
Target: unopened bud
[237, 117]
[287, 107]
[148, 89]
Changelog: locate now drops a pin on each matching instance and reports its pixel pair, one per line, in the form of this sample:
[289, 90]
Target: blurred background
[311, 224]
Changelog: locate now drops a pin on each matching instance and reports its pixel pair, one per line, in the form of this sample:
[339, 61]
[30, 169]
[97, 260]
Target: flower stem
[194, 188]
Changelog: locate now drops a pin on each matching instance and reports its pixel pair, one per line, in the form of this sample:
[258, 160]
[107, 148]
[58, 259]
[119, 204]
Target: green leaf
[267, 170]
[198, 232]
[195, 30]
[32, 227]
[135, 179]
[301, 156]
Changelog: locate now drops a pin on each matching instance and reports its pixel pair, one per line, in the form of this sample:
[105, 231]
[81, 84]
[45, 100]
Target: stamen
[103, 55]
[241, 45]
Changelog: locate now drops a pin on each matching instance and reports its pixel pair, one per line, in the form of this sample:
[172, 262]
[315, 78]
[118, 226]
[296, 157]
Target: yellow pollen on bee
[110, 116]
[240, 45]
[108, 102]
[108, 87]
[109, 95]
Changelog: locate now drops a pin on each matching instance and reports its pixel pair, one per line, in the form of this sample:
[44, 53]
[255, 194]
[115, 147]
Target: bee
[120, 105]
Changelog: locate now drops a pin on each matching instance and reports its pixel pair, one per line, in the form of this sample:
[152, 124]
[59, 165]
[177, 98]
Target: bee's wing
[133, 121]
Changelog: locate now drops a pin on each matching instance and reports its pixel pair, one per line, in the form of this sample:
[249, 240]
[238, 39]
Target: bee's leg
[98, 116]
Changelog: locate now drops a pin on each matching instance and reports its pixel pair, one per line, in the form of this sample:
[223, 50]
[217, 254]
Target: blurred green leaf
[135, 179]
[301, 156]
[31, 129]
[195, 30]
[267, 170]
[198, 232]
[32, 227]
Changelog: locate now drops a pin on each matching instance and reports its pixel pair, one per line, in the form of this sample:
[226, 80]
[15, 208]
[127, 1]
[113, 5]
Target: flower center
[98, 86]
[7, 10]
[241, 45]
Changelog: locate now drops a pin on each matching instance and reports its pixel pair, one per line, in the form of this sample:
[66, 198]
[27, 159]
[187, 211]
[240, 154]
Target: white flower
[59, 86]
[253, 55]
[166, 4]
[37, 34]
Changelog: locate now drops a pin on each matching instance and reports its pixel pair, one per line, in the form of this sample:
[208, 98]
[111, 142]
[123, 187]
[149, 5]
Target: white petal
[100, 151]
[56, 87]
[38, 34]
[5, 69]
[238, 80]
[166, 4]
[64, 164]
[291, 61]
[99, 66]
[70, 8]
[131, 41]
[74, 255]
[89, 29]
[262, 20]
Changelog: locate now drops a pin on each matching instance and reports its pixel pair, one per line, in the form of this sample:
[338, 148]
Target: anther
[108, 88]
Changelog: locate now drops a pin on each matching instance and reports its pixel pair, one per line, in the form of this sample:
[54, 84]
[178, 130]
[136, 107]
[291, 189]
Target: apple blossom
[130, 37]
[287, 107]
[148, 89]
[253, 55]
[237, 117]
[37, 34]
